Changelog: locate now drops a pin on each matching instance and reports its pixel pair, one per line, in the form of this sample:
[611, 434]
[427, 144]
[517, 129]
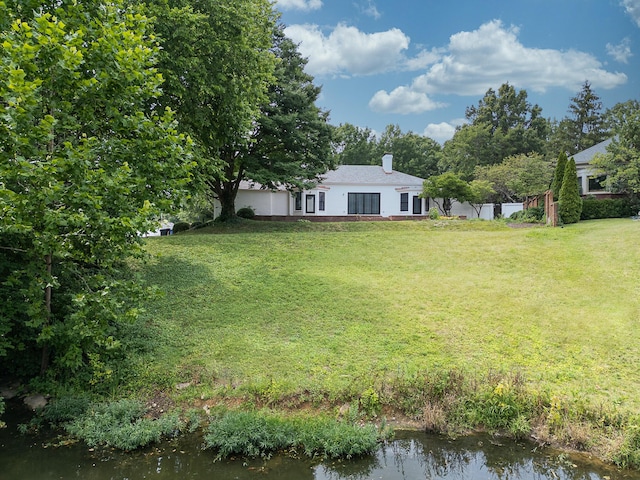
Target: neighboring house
[589, 182]
[353, 191]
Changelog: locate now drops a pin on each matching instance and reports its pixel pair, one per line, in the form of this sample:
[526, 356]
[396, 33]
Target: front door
[417, 205]
[310, 204]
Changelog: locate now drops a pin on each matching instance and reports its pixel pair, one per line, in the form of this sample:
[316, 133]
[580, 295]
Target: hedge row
[607, 208]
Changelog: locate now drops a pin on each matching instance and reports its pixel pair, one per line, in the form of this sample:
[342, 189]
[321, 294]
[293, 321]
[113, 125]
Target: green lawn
[328, 308]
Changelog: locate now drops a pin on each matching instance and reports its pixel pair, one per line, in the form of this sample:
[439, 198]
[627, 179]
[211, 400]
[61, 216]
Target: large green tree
[353, 145]
[85, 166]
[518, 177]
[503, 124]
[412, 153]
[621, 163]
[291, 142]
[218, 63]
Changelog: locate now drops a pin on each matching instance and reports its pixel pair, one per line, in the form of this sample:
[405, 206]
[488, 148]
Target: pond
[411, 455]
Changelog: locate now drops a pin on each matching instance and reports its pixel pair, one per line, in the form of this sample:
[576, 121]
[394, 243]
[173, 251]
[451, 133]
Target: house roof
[584, 157]
[368, 175]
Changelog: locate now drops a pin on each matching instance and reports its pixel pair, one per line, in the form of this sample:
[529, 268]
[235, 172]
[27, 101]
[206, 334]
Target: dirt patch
[158, 405]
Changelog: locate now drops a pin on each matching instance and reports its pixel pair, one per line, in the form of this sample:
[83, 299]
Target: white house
[356, 191]
[591, 184]
[347, 191]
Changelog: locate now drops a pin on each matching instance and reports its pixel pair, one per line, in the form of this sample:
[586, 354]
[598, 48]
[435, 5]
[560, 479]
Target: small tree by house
[444, 189]
[479, 193]
[570, 202]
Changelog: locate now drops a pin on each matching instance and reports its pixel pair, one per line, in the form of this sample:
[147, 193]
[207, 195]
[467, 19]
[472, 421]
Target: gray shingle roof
[584, 157]
[368, 175]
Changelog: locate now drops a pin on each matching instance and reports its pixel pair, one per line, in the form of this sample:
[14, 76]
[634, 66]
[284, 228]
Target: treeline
[506, 142]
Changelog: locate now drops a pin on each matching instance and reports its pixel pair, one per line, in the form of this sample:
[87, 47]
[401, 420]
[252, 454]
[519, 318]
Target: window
[417, 205]
[404, 202]
[364, 204]
[596, 184]
[298, 201]
[310, 204]
[321, 201]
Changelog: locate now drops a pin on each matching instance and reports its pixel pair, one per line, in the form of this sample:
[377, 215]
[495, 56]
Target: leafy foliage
[445, 188]
[121, 425]
[607, 208]
[291, 143]
[621, 163]
[570, 202]
[255, 434]
[518, 177]
[181, 227]
[503, 124]
[217, 63]
[246, 212]
[85, 165]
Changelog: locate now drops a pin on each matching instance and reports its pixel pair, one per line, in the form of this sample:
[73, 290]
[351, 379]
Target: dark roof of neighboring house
[584, 157]
[368, 175]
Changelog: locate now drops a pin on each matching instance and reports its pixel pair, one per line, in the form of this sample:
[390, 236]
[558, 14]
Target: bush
[434, 214]
[256, 434]
[606, 208]
[246, 212]
[181, 227]
[122, 425]
[530, 215]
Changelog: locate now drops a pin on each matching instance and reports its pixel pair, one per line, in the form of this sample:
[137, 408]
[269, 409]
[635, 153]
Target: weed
[628, 455]
[259, 434]
[122, 425]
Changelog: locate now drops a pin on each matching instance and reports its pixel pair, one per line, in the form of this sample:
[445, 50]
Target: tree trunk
[227, 197]
[44, 361]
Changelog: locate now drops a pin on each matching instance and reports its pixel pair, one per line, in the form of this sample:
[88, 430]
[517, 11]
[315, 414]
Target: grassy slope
[332, 307]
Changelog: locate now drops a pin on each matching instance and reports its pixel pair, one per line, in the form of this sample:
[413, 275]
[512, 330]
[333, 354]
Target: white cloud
[347, 50]
[370, 9]
[441, 132]
[423, 59]
[402, 100]
[492, 55]
[633, 9]
[620, 52]
[305, 5]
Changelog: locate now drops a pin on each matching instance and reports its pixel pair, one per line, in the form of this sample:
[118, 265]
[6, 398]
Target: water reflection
[411, 456]
[419, 456]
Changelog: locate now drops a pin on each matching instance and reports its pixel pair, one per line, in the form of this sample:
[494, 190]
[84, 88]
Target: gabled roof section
[368, 175]
[584, 157]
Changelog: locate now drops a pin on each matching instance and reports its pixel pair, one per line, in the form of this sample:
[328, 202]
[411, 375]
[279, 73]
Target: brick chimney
[387, 163]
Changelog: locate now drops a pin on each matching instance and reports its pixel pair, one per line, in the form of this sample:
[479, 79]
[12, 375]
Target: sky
[419, 64]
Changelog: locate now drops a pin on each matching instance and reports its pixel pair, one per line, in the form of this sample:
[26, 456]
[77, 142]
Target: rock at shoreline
[35, 402]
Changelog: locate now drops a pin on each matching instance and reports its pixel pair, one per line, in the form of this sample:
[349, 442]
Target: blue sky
[419, 64]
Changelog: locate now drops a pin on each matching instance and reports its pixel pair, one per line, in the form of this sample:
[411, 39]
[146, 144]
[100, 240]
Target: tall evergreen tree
[570, 202]
[587, 125]
[558, 175]
[291, 143]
